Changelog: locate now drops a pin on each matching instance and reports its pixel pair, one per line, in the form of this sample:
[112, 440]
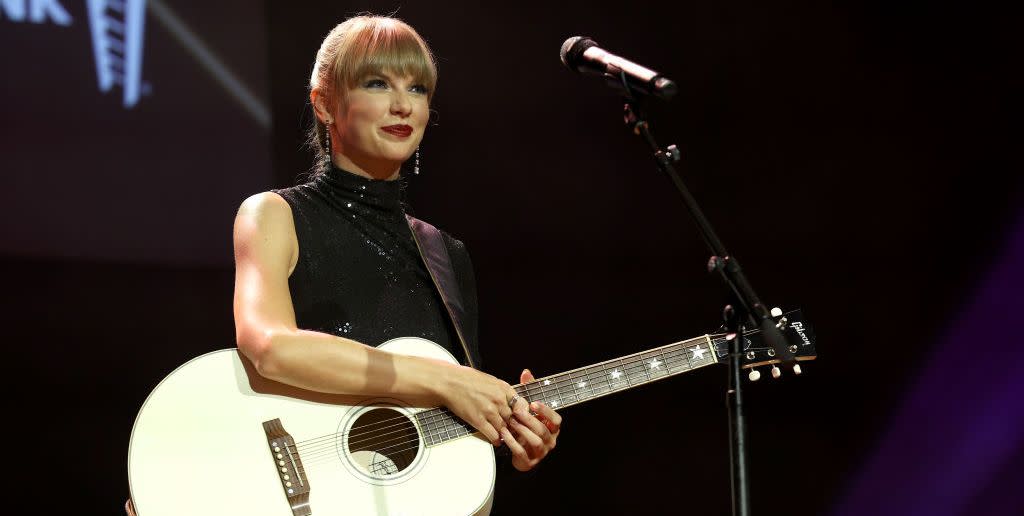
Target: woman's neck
[372, 169]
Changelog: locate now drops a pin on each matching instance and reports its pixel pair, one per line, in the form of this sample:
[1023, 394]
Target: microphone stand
[747, 311]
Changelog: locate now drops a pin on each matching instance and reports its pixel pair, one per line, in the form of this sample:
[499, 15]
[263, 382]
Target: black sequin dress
[359, 273]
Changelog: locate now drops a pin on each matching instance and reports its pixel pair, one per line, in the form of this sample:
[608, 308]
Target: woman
[328, 269]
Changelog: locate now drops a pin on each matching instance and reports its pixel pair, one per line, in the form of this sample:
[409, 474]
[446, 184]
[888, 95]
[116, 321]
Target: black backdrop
[855, 157]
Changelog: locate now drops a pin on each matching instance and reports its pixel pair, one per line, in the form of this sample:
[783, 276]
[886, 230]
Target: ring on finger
[512, 402]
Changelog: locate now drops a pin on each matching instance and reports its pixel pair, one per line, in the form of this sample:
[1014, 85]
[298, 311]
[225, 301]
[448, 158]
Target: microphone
[582, 55]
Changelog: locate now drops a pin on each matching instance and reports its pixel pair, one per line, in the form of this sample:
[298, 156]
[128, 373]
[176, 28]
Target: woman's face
[379, 123]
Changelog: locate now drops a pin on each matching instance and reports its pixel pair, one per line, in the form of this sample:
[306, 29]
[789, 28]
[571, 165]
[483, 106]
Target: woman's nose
[401, 104]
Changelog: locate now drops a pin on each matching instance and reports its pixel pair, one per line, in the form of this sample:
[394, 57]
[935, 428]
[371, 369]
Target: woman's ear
[319, 104]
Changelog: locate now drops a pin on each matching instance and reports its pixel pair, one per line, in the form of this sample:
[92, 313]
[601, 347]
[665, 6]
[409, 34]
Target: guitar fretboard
[586, 383]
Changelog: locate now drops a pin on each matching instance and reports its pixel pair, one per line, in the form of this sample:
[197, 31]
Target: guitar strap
[435, 253]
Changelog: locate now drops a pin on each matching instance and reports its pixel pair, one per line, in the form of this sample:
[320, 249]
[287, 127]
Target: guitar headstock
[756, 352]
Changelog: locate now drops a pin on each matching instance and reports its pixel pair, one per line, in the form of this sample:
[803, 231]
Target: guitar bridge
[289, 467]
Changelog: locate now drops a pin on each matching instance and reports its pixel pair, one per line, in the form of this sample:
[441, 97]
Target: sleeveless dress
[360, 273]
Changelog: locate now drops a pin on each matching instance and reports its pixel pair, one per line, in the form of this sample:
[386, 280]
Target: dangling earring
[327, 144]
[416, 169]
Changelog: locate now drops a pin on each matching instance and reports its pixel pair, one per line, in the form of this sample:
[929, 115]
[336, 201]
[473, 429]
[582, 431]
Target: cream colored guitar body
[200, 447]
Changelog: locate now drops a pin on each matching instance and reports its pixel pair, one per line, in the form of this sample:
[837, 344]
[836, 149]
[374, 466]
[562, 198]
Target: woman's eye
[375, 83]
[419, 88]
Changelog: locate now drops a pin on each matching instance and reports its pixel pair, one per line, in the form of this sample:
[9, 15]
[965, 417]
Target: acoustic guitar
[216, 438]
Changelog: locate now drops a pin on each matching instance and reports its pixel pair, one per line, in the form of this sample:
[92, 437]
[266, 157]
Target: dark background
[857, 158]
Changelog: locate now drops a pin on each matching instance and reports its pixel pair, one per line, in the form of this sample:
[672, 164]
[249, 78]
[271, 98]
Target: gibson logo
[799, 328]
[116, 27]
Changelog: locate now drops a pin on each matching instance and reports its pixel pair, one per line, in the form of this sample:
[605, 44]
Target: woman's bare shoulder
[265, 206]
[264, 227]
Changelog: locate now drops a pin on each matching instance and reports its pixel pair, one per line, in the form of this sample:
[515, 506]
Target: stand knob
[673, 152]
[776, 372]
[776, 311]
[796, 369]
[754, 375]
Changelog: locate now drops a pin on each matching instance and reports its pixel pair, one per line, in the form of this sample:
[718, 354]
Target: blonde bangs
[376, 45]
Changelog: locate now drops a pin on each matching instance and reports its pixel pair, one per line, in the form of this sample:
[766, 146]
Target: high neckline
[362, 193]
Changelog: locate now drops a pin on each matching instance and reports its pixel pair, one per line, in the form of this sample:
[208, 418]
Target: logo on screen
[35, 11]
[116, 27]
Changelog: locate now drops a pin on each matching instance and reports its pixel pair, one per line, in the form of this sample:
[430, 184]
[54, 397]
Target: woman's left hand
[532, 430]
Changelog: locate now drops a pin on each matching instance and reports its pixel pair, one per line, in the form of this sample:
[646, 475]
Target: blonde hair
[356, 48]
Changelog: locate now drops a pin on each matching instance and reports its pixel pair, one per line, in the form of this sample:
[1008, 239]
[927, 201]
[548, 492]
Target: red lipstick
[400, 130]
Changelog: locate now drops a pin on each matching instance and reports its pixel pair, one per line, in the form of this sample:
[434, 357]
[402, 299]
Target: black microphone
[582, 54]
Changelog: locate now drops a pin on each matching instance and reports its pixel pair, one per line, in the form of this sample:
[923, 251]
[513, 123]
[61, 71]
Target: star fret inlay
[698, 352]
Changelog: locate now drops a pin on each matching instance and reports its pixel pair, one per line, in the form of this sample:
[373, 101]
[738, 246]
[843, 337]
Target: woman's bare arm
[266, 250]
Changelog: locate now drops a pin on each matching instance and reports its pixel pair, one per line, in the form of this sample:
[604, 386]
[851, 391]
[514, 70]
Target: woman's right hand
[479, 399]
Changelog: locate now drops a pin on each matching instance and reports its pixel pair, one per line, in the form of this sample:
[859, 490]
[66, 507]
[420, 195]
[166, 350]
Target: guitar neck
[619, 374]
[587, 383]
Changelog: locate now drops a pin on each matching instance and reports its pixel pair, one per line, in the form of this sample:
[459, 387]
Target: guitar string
[571, 377]
[403, 439]
[530, 389]
[375, 434]
[677, 345]
[416, 443]
[313, 453]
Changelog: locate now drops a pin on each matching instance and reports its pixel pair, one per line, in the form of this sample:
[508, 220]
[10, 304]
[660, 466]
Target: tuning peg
[776, 372]
[776, 311]
[754, 375]
[796, 369]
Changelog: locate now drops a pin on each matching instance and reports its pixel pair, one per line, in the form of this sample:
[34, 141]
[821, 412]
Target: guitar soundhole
[383, 442]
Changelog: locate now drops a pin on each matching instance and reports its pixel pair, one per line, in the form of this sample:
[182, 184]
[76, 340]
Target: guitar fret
[575, 391]
[447, 429]
[675, 360]
[656, 366]
[561, 394]
[631, 373]
[686, 356]
[625, 373]
[609, 374]
[545, 392]
[648, 366]
[682, 362]
[596, 377]
[566, 400]
[559, 383]
[585, 383]
[433, 424]
[589, 382]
